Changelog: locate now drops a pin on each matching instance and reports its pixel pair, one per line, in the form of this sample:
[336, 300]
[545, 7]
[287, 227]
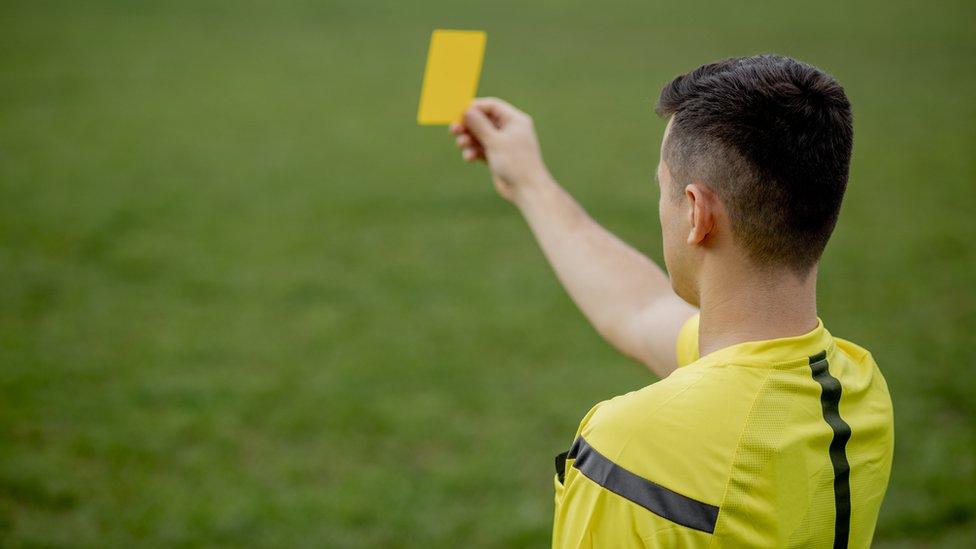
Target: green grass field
[244, 299]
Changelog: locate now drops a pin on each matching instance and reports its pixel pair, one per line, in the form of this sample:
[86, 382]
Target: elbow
[632, 348]
[658, 367]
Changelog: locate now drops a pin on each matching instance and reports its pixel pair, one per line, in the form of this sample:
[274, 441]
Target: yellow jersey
[778, 443]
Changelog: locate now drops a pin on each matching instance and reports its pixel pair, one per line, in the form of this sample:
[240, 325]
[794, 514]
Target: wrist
[532, 187]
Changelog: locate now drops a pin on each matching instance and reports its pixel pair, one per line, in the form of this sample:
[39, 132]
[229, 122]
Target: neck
[754, 307]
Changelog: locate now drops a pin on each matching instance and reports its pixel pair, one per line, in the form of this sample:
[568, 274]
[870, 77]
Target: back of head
[772, 137]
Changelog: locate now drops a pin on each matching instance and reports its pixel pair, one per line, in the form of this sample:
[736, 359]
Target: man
[765, 431]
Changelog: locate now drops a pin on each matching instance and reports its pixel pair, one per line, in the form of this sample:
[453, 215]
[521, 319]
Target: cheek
[668, 235]
[668, 220]
[674, 233]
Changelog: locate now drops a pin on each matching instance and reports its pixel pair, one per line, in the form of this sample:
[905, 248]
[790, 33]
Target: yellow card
[451, 76]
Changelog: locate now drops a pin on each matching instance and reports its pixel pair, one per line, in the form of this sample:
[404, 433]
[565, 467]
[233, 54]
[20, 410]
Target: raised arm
[626, 297]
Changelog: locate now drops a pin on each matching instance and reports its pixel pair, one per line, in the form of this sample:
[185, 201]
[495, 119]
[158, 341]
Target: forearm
[610, 281]
[626, 297]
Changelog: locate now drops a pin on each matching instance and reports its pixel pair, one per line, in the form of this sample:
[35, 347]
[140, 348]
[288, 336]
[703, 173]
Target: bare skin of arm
[625, 295]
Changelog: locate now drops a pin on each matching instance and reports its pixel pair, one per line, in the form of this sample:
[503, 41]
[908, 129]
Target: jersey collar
[784, 351]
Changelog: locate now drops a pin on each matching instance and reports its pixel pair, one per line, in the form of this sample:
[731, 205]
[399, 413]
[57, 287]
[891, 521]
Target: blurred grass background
[244, 299]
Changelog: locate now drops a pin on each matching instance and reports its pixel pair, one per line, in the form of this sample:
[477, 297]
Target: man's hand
[505, 137]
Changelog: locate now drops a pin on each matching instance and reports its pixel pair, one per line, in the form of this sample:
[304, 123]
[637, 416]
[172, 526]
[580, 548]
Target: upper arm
[651, 334]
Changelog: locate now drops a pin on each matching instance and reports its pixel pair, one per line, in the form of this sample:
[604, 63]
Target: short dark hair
[772, 136]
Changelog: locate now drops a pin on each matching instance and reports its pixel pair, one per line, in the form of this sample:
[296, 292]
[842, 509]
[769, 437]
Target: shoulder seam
[738, 445]
[656, 409]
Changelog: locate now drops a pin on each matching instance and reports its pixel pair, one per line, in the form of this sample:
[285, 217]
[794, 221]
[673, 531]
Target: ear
[702, 212]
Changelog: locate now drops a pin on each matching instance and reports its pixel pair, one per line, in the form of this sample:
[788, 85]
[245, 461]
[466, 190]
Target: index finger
[496, 108]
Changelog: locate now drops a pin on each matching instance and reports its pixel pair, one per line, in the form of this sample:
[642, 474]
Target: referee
[765, 430]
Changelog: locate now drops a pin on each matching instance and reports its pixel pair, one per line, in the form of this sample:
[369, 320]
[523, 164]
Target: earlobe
[693, 222]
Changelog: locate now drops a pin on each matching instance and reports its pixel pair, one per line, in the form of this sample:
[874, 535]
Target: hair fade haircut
[772, 137]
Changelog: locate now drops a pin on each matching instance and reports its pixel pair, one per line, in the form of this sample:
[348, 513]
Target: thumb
[479, 124]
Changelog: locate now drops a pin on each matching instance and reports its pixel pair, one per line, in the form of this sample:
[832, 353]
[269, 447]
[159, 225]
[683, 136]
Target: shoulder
[686, 345]
[680, 432]
[853, 351]
[857, 370]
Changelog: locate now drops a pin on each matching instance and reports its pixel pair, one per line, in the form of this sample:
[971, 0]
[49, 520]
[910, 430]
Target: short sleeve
[592, 516]
[686, 346]
[602, 504]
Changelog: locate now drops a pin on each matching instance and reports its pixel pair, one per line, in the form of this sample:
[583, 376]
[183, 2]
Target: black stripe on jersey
[561, 466]
[653, 497]
[830, 402]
